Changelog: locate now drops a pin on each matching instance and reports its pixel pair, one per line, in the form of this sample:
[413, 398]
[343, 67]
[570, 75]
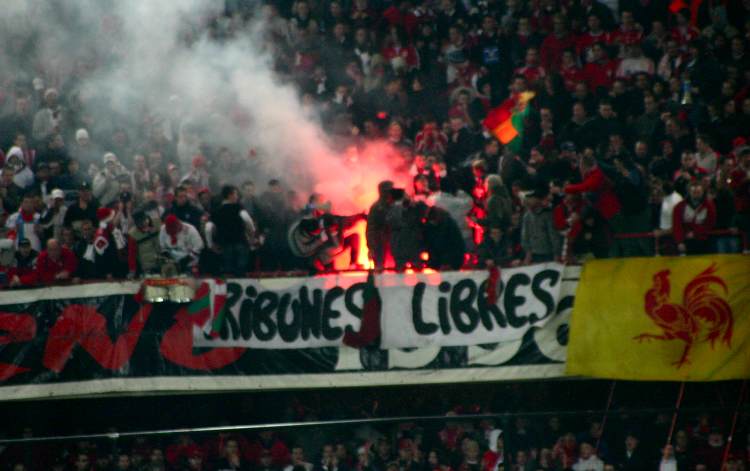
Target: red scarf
[173, 227]
[27, 217]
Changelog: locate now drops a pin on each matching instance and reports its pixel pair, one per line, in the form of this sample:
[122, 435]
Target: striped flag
[208, 306]
[506, 122]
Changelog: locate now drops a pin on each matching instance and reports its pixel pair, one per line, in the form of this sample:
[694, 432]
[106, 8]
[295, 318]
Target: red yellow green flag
[504, 121]
[662, 318]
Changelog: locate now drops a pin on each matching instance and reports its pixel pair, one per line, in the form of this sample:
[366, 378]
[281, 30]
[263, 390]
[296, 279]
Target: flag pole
[680, 395]
[606, 413]
[728, 446]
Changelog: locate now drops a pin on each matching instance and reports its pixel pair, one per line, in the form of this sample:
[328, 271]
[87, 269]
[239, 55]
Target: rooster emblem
[703, 316]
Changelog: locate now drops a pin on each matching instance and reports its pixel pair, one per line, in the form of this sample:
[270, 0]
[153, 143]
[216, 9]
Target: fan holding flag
[506, 122]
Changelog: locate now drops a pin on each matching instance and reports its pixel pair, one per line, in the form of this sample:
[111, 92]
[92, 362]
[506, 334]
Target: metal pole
[728, 446]
[680, 395]
[328, 423]
[604, 417]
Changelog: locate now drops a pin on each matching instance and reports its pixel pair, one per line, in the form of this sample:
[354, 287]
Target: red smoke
[350, 182]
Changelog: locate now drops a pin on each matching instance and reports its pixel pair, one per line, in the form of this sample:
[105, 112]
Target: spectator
[234, 230]
[55, 264]
[443, 240]
[494, 458]
[23, 176]
[181, 244]
[378, 237]
[706, 157]
[84, 209]
[588, 461]
[693, 218]
[106, 183]
[499, 205]
[143, 246]
[25, 261]
[49, 119]
[53, 218]
[539, 239]
[183, 209]
[25, 223]
[109, 243]
[634, 458]
[231, 458]
[156, 461]
[298, 460]
[404, 219]
[85, 252]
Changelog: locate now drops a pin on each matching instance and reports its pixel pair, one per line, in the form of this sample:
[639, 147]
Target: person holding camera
[320, 236]
[107, 182]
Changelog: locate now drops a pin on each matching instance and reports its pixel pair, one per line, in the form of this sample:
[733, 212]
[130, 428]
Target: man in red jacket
[601, 193]
[599, 74]
[598, 185]
[55, 264]
[693, 218]
[555, 43]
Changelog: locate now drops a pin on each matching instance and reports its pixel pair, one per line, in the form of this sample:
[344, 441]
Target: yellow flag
[662, 318]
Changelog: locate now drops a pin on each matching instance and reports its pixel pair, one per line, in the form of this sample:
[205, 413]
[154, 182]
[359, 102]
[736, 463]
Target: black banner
[111, 343]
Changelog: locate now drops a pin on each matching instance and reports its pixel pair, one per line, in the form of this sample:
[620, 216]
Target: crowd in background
[630, 439]
[635, 143]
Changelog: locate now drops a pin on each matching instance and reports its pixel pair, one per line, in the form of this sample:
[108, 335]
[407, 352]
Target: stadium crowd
[639, 125]
[625, 442]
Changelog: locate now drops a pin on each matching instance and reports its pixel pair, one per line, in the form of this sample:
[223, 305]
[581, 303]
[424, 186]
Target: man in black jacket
[233, 230]
[184, 209]
[633, 459]
[443, 240]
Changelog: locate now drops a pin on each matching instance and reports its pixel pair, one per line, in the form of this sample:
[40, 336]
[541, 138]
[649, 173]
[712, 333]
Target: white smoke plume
[155, 63]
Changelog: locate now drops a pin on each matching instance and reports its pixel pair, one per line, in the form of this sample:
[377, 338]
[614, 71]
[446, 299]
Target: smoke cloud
[145, 64]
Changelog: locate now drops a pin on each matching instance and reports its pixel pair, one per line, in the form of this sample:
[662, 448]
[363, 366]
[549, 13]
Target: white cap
[57, 193]
[50, 91]
[110, 157]
[82, 134]
[38, 83]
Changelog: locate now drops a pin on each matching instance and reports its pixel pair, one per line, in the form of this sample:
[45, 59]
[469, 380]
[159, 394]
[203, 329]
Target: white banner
[449, 310]
[418, 309]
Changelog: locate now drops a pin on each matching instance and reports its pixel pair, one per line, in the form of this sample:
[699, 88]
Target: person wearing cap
[49, 119]
[106, 183]
[84, 149]
[495, 456]
[24, 263]
[84, 208]
[53, 217]
[539, 238]
[143, 245]
[23, 176]
[10, 193]
[180, 242]
[54, 264]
